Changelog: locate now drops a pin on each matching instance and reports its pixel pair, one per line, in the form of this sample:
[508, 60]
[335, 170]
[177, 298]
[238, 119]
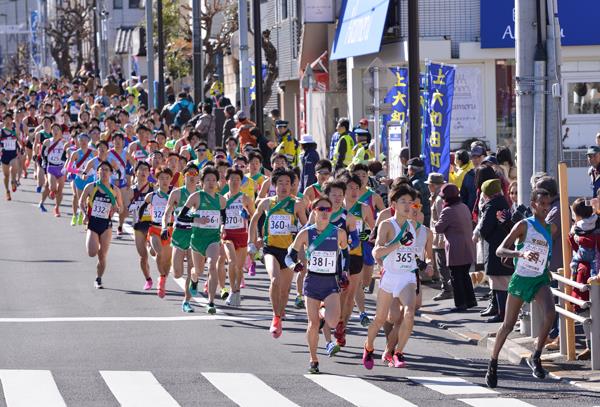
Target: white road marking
[247, 390]
[24, 388]
[136, 319]
[133, 389]
[358, 391]
[495, 402]
[451, 385]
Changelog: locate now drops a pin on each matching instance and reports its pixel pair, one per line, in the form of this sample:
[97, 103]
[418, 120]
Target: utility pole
[96, 56]
[244, 63]
[525, 46]
[161, 54]
[553, 116]
[539, 98]
[197, 45]
[258, 81]
[102, 38]
[414, 66]
[377, 112]
[150, 52]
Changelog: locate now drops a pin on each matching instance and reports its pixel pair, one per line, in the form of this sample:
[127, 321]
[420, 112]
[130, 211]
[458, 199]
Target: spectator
[464, 178]
[243, 125]
[417, 177]
[492, 236]
[265, 147]
[308, 160]
[229, 123]
[593, 156]
[455, 223]
[506, 162]
[206, 126]
[435, 182]
[404, 157]
[477, 155]
[231, 145]
[342, 143]
[182, 110]
[287, 144]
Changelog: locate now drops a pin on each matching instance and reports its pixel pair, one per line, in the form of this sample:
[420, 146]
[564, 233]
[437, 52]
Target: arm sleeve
[354, 239]
[223, 216]
[292, 258]
[345, 260]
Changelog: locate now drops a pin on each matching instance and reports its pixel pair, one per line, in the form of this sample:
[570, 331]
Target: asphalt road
[65, 343]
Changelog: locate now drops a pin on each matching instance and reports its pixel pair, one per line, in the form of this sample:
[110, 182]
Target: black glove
[344, 281]
[364, 235]
[298, 267]
[421, 264]
[164, 234]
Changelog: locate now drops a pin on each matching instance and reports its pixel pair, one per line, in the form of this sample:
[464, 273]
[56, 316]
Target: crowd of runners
[212, 213]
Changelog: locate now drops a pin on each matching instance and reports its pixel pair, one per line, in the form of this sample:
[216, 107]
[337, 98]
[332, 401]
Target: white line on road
[493, 402]
[358, 391]
[137, 319]
[24, 388]
[134, 389]
[247, 390]
[451, 385]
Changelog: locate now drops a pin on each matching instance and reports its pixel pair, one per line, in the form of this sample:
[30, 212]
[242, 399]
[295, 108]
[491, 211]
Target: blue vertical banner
[424, 103]
[252, 89]
[398, 97]
[440, 80]
[35, 26]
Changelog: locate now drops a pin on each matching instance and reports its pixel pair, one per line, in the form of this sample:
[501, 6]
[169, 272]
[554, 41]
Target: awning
[313, 44]
[360, 28]
[123, 40]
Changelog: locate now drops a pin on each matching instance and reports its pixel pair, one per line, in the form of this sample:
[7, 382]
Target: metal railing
[567, 317]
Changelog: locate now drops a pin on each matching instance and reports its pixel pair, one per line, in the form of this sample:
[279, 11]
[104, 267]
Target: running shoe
[340, 334]
[74, 219]
[52, 194]
[206, 287]
[314, 368]
[367, 359]
[331, 349]
[364, 319]
[387, 359]
[8, 197]
[252, 269]
[535, 363]
[193, 288]
[42, 208]
[243, 283]
[186, 307]
[299, 302]
[14, 186]
[230, 300]
[56, 212]
[238, 299]
[162, 280]
[211, 309]
[98, 283]
[119, 231]
[275, 328]
[80, 219]
[398, 360]
[491, 377]
[148, 284]
[224, 293]
[38, 189]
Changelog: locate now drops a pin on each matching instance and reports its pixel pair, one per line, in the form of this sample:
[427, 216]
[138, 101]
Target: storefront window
[583, 98]
[505, 103]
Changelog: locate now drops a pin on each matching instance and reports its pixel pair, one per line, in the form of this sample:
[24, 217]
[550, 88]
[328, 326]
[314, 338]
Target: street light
[5, 46]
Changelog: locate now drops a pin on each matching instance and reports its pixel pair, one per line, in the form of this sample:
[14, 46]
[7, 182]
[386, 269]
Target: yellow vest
[347, 159]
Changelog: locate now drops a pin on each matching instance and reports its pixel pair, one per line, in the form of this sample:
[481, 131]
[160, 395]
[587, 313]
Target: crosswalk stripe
[358, 391]
[247, 390]
[137, 388]
[451, 385]
[24, 388]
[495, 402]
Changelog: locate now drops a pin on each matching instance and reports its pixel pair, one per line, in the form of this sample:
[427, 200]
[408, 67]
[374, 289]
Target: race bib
[404, 259]
[529, 268]
[280, 224]
[9, 144]
[234, 220]
[322, 261]
[55, 155]
[101, 209]
[212, 219]
[359, 226]
[158, 212]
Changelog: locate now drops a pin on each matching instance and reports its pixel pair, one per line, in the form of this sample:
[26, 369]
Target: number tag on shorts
[101, 209]
[9, 144]
[322, 261]
[280, 224]
[234, 220]
[212, 219]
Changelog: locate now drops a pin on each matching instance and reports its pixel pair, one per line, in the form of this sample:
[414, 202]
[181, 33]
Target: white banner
[467, 105]
[395, 146]
[319, 11]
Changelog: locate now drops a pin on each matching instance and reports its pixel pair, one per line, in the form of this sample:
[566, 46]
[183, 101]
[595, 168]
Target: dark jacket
[455, 223]
[418, 183]
[468, 191]
[308, 158]
[227, 126]
[492, 232]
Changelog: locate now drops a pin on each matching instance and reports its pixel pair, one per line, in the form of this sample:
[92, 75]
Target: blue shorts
[80, 183]
[367, 250]
[7, 156]
[319, 287]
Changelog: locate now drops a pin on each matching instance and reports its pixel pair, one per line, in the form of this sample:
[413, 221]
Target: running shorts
[181, 239]
[278, 253]
[356, 263]
[367, 251]
[239, 238]
[155, 231]
[202, 238]
[320, 286]
[394, 283]
[526, 288]
[8, 156]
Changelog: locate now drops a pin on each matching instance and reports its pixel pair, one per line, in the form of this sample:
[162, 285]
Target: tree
[67, 32]
[272, 69]
[177, 35]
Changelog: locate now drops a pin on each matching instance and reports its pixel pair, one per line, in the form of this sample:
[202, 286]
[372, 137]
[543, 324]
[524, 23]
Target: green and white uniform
[182, 232]
[203, 235]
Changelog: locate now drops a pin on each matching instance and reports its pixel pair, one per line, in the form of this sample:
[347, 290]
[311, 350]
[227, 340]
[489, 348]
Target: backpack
[182, 116]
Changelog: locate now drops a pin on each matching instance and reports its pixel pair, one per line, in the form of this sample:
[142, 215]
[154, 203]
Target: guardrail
[568, 317]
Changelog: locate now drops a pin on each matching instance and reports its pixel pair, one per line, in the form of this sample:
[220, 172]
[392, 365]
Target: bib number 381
[322, 262]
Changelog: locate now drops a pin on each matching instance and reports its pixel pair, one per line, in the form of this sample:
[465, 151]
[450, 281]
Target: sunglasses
[416, 206]
[201, 150]
[191, 174]
[325, 209]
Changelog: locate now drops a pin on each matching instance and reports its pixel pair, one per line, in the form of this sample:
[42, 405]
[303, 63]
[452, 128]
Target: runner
[42, 135]
[9, 154]
[394, 245]
[77, 162]
[530, 281]
[54, 153]
[278, 161]
[182, 233]
[159, 236]
[141, 224]
[323, 243]
[323, 169]
[99, 201]
[239, 208]
[138, 149]
[206, 232]
[117, 157]
[281, 212]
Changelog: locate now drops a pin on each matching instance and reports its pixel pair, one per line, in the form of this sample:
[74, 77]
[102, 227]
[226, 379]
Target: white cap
[307, 138]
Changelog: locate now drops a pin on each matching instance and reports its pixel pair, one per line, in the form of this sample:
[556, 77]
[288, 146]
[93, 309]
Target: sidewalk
[472, 328]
